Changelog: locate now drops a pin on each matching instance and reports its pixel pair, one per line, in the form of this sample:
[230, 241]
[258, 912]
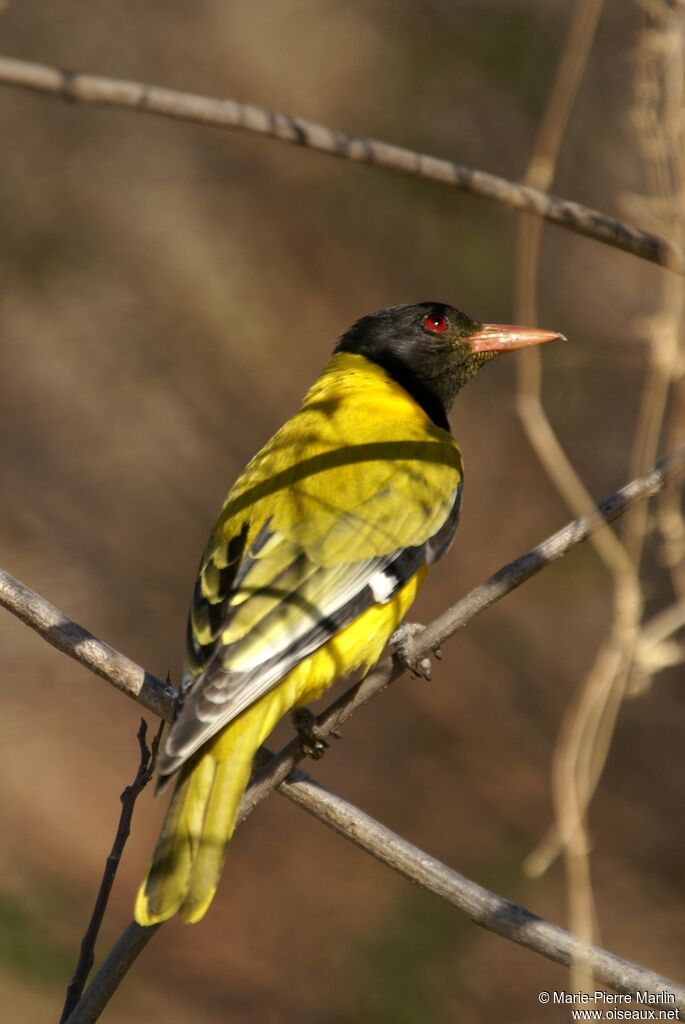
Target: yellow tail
[190, 852]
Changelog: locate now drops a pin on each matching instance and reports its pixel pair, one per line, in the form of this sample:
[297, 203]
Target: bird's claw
[401, 638]
[314, 740]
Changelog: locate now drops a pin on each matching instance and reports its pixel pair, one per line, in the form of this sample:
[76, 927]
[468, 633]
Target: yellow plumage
[318, 553]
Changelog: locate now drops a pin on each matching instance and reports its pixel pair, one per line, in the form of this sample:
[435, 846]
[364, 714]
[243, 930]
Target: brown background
[168, 293]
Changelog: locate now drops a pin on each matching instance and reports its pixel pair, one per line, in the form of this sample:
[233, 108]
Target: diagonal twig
[146, 768]
[484, 908]
[111, 973]
[81, 645]
[235, 115]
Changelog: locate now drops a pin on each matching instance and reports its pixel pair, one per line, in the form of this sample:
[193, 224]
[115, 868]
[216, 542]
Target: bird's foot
[314, 740]
[401, 638]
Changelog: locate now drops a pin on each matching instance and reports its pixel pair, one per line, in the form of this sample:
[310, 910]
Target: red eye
[436, 322]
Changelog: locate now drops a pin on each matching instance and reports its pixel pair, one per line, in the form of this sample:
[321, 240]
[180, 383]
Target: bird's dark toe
[314, 741]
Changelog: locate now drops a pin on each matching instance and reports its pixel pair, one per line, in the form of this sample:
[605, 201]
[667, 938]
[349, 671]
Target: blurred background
[168, 294]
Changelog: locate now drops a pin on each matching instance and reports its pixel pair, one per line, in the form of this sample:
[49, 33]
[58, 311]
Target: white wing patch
[383, 585]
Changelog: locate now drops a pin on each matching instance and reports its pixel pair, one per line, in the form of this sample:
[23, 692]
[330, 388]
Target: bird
[318, 552]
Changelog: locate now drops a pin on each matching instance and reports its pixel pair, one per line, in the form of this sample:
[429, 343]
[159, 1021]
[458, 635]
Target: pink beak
[506, 337]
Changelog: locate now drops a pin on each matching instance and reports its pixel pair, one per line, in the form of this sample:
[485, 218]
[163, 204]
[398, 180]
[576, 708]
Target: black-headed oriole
[318, 553]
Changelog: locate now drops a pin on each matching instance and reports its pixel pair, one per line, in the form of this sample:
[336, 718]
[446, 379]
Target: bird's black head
[432, 349]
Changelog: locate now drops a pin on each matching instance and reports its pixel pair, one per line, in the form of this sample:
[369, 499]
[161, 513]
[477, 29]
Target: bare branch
[146, 767]
[484, 908]
[70, 638]
[111, 973]
[234, 115]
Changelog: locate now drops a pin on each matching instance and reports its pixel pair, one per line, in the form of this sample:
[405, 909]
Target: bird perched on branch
[318, 553]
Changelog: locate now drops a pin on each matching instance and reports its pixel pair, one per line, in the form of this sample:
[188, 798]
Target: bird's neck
[361, 377]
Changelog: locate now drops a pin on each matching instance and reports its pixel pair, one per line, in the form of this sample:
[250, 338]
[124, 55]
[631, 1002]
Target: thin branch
[234, 115]
[483, 907]
[112, 972]
[70, 638]
[146, 767]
